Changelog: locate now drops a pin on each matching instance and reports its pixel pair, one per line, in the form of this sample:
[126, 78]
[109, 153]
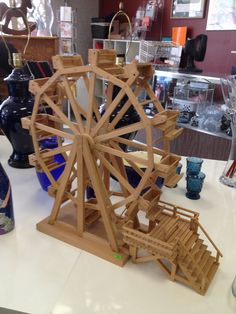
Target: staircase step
[209, 276]
[187, 260]
[208, 264]
[183, 226]
[160, 226]
[204, 259]
[174, 234]
[187, 237]
[212, 271]
[201, 263]
[196, 247]
[162, 229]
[172, 229]
[184, 234]
[201, 251]
[191, 241]
[170, 226]
[206, 268]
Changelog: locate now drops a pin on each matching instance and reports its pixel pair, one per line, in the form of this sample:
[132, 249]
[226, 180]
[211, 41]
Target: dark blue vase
[6, 207]
[50, 143]
[19, 104]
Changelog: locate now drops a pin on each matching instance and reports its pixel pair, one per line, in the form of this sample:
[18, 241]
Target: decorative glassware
[19, 104]
[194, 185]
[50, 143]
[6, 207]
[234, 287]
[44, 16]
[194, 165]
[228, 85]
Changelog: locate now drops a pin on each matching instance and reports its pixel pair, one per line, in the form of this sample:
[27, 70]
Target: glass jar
[229, 174]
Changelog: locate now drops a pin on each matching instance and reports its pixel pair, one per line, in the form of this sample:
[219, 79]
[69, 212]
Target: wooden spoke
[156, 102]
[60, 114]
[95, 104]
[138, 145]
[122, 180]
[53, 131]
[115, 152]
[120, 131]
[55, 151]
[108, 112]
[90, 110]
[77, 110]
[124, 109]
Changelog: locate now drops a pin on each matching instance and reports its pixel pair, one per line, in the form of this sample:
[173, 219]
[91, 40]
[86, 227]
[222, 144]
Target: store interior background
[218, 58]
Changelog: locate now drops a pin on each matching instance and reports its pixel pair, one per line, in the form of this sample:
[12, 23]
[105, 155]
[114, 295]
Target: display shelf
[122, 46]
[175, 74]
[195, 141]
[216, 134]
[131, 50]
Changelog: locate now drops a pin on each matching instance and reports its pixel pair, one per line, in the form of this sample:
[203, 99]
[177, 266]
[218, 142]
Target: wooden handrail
[147, 238]
[213, 244]
[179, 209]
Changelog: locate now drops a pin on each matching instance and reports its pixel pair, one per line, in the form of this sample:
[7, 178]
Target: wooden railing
[149, 243]
[174, 210]
[218, 252]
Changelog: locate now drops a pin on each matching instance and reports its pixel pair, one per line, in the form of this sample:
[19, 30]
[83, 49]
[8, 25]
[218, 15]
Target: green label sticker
[117, 256]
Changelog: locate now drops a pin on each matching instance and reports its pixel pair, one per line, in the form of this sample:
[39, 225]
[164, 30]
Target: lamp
[19, 102]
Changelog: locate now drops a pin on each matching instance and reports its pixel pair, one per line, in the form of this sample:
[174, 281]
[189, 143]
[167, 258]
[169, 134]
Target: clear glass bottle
[234, 287]
[229, 174]
[228, 86]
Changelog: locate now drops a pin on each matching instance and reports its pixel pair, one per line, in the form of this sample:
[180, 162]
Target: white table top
[42, 275]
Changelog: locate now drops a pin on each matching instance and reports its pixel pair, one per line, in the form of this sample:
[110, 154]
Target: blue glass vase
[50, 143]
[6, 207]
[194, 185]
[19, 104]
[194, 165]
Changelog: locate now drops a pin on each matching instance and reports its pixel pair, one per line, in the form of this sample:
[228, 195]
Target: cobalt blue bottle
[6, 207]
[19, 104]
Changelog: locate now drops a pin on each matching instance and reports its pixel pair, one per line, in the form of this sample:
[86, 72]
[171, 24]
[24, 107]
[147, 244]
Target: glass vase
[229, 174]
[19, 104]
[44, 16]
[234, 287]
[6, 206]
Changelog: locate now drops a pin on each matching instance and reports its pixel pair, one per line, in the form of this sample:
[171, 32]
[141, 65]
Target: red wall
[218, 58]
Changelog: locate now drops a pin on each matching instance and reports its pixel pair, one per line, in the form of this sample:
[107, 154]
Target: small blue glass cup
[194, 185]
[194, 165]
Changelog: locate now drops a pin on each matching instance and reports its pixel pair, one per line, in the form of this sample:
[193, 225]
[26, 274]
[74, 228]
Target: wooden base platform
[94, 242]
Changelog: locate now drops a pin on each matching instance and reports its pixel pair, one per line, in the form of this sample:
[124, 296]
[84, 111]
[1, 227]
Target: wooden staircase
[175, 235]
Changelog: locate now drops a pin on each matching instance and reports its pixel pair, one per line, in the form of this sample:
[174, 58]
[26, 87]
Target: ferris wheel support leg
[104, 202]
[62, 186]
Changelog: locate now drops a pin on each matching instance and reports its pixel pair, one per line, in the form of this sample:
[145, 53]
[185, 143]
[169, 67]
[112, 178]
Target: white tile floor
[41, 275]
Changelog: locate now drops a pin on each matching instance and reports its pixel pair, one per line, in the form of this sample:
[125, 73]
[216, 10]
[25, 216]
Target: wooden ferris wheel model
[108, 224]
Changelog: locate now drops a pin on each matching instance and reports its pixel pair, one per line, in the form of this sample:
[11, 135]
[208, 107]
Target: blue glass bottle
[6, 206]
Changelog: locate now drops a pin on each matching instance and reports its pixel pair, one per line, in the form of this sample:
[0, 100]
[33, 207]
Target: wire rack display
[160, 52]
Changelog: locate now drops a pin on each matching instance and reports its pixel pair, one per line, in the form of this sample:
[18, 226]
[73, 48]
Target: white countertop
[41, 275]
